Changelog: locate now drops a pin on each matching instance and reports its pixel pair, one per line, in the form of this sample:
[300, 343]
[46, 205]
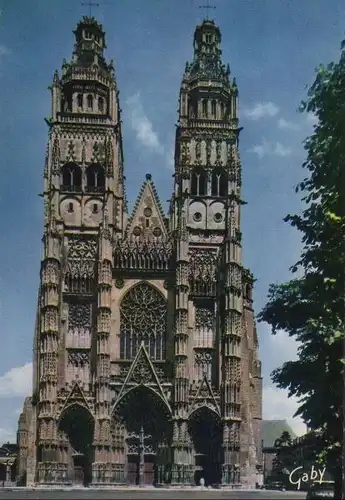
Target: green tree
[310, 308]
[284, 460]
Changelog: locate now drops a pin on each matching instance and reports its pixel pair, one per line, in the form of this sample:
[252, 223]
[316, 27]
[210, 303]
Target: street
[144, 494]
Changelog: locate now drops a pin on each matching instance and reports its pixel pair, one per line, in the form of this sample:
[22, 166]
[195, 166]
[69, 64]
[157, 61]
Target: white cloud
[7, 436]
[17, 382]
[284, 124]
[276, 403]
[145, 132]
[4, 51]
[311, 119]
[262, 110]
[142, 126]
[278, 406]
[279, 150]
[270, 149]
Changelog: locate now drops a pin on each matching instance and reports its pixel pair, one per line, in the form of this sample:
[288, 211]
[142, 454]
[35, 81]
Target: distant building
[8, 463]
[306, 449]
[271, 430]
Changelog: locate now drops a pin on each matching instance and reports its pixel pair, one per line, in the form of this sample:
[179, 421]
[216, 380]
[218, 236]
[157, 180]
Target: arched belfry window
[222, 111]
[198, 183]
[90, 102]
[95, 178]
[214, 109]
[143, 318]
[219, 183]
[204, 108]
[71, 177]
[80, 100]
[101, 104]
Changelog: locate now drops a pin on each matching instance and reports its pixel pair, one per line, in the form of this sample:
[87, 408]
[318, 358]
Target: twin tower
[146, 367]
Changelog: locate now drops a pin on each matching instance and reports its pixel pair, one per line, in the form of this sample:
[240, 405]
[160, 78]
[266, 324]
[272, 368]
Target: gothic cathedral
[146, 367]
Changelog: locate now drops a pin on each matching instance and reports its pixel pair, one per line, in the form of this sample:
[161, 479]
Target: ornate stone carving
[81, 257]
[203, 357]
[98, 152]
[51, 273]
[139, 253]
[124, 371]
[70, 154]
[119, 283]
[109, 153]
[55, 157]
[83, 151]
[208, 152]
[46, 163]
[218, 153]
[79, 358]
[198, 152]
[185, 154]
[50, 320]
[204, 317]
[142, 373]
[79, 317]
[82, 247]
[81, 268]
[202, 264]
[202, 237]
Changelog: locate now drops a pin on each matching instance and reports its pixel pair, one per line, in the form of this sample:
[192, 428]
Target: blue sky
[273, 47]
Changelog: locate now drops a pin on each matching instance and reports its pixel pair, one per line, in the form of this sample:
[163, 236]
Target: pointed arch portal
[206, 431]
[76, 431]
[147, 420]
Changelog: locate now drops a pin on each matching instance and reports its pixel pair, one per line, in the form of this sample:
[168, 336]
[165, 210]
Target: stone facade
[146, 363]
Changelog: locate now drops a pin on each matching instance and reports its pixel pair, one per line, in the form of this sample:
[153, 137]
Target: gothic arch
[75, 405]
[147, 419]
[95, 178]
[219, 182]
[206, 431]
[71, 177]
[76, 427]
[143, 318]
[124, 397]
[203, 409]
[198, 184]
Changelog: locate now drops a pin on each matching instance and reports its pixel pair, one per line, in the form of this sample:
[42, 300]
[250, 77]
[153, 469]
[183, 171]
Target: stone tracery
[143, 319]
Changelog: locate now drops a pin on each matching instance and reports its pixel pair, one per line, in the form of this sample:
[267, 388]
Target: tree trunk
[337, 488]
[338, 483]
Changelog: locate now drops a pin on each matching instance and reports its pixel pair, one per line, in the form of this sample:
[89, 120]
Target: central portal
[147, 419]
[141, 458]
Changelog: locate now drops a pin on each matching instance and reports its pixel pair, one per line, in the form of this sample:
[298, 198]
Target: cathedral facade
[146, 366]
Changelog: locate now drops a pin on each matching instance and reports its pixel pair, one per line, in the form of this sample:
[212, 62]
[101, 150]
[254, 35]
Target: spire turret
[207, 62]
[90, 43]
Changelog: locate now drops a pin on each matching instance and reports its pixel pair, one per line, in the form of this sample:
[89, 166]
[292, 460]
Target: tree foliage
[310, 308]
[284, 460]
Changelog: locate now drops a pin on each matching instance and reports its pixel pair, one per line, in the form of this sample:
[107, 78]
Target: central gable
[148, 219]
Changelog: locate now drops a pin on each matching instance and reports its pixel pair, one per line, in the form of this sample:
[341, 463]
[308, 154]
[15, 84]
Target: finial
[90, 5]
[207, 7]
[148, 177]
[56, 77]
[228, 69]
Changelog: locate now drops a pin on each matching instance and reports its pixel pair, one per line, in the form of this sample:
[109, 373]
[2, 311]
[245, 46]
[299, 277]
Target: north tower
[146, 365]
